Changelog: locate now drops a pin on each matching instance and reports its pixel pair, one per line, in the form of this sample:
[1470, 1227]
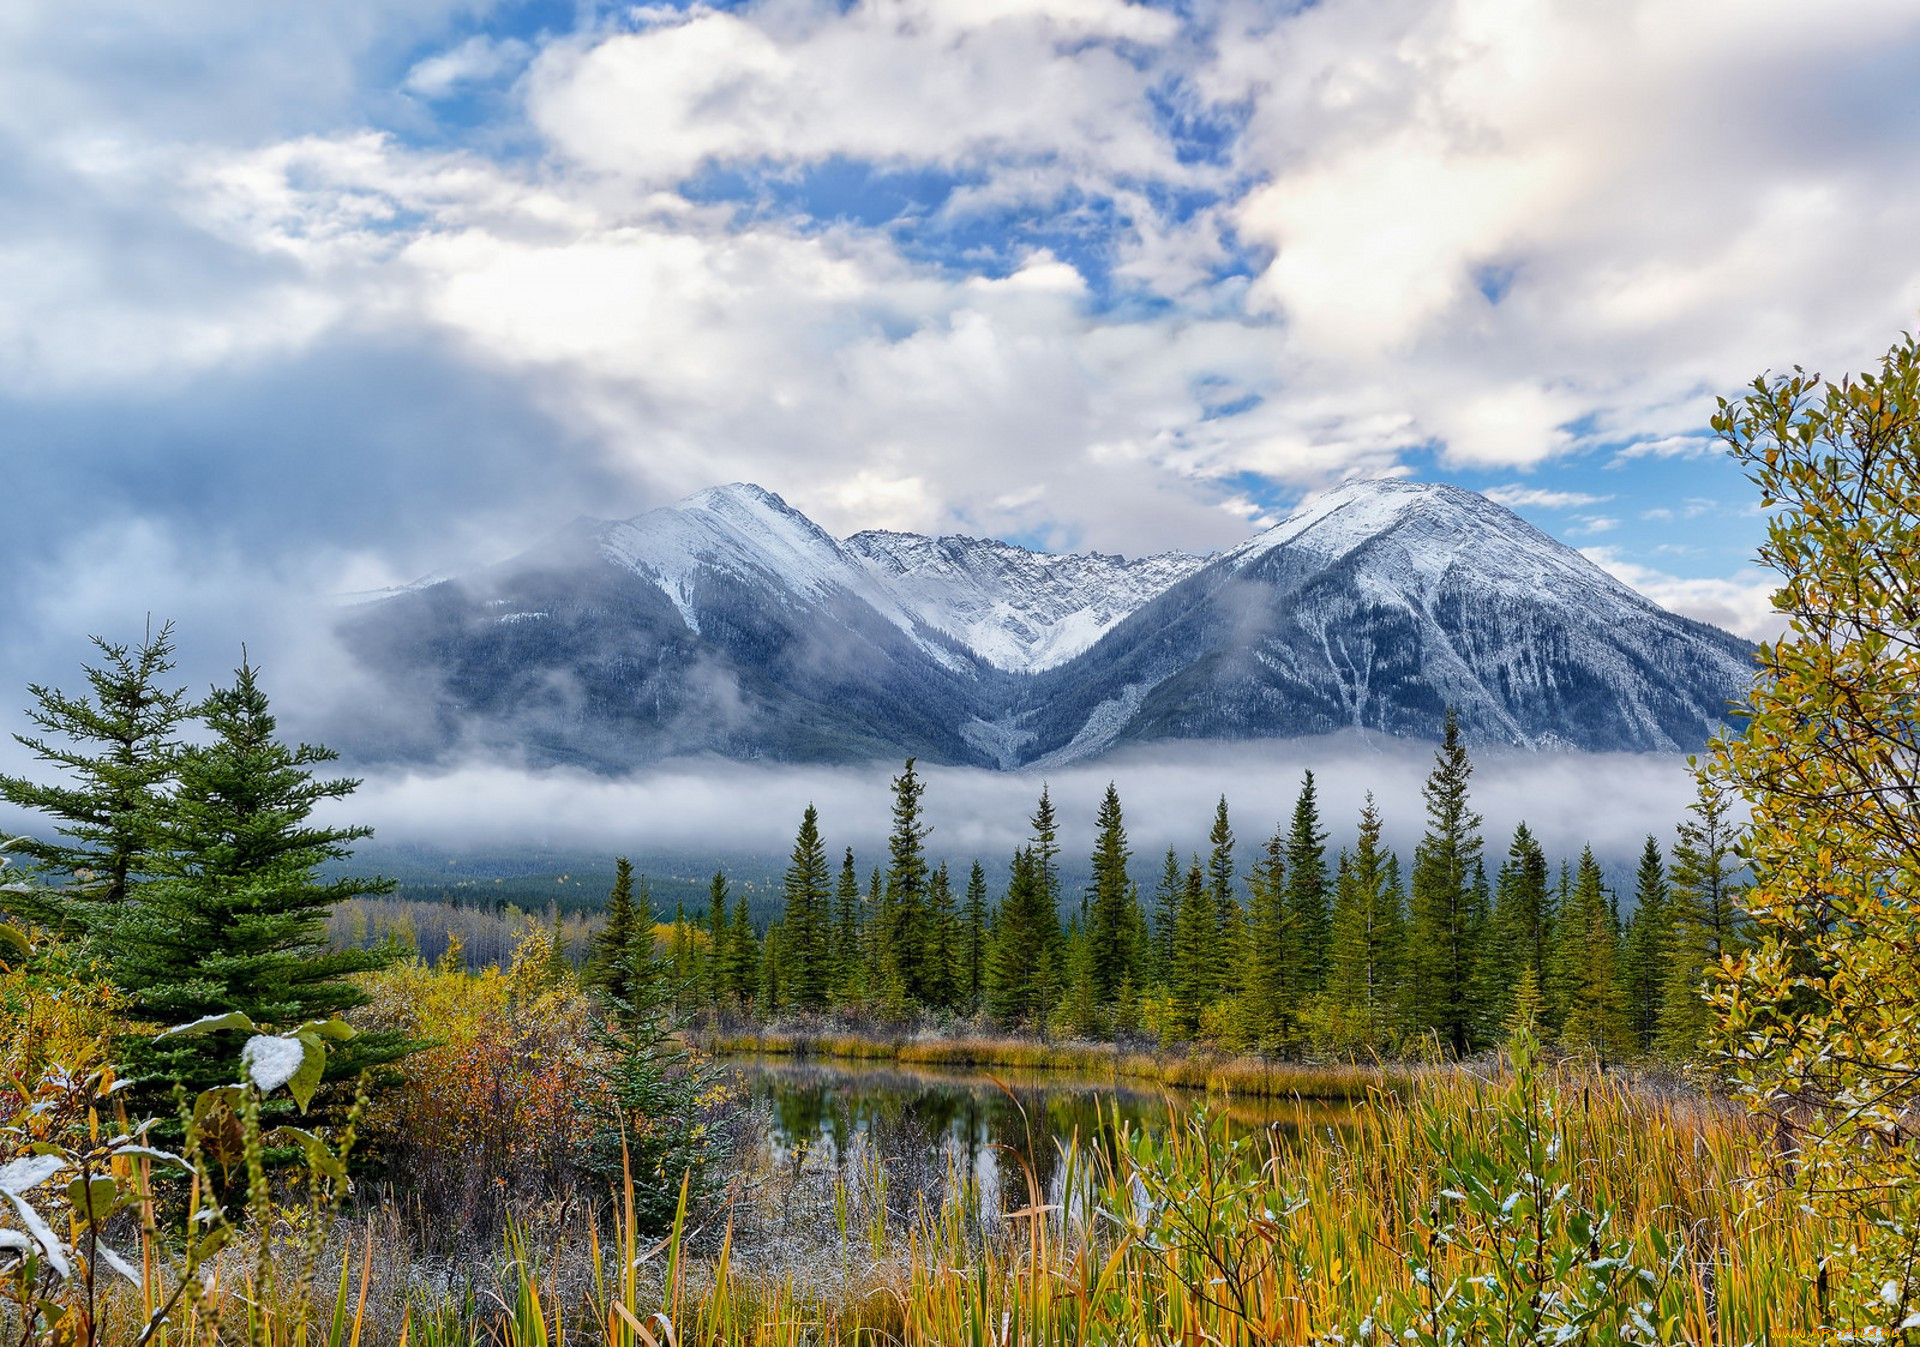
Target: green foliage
[1822, 1012]
[805, 922]
[1369, 933]
[1446, 919]
[1112, 955]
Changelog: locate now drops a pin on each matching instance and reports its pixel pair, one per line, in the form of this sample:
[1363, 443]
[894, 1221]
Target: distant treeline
[1308, 950]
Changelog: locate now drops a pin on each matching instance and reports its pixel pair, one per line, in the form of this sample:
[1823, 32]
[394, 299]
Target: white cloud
[1517, 497]
[1740, 604]
[478, 59]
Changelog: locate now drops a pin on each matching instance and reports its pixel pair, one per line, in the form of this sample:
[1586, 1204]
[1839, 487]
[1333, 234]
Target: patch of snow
[271, 1061]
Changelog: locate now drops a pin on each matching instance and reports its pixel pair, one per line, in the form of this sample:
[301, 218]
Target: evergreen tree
[743, 955]
[849, 975]
[1644, 954]
[1366, 952]
[804, 933]
[1269, 985]
[559, 966]
[1445, 928]
[1306, 890]
[1225, 972]
[973, 950]
[118, 757]
[1046, 852]
[1704, 914]
[610, 953]
[231, 912]
[941, 990]
[1111, 922]
[1166, 915]
[1590, 950]
[773, 991]
[909, 956]
[1522, 941]
[1081, 1007]
[1195, 939]
[1025, 963]
[717, 939]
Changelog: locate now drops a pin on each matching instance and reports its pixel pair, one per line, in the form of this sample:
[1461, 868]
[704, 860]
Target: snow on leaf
[271, 1061]
[43, 1233]
[21, 1176]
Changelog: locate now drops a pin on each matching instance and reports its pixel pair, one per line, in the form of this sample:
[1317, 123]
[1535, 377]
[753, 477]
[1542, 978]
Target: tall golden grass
[1193, 1234]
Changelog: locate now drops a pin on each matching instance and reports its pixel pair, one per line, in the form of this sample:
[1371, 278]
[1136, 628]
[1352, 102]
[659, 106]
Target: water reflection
[1000, 1139]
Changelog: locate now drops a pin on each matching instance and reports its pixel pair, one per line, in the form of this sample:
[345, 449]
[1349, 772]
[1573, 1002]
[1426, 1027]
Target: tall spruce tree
[1367, 947]
[1445, 929]
[1194, 942]
[743, 955]
[716, 969]
[1596, 1021]
[850, 975]
[1111, 922]
[1026, 947]
[1523, 916]
[1704, 911]
[117, 749]
[909, 952]
[1045, 846]
[941, 986]
[1227, 918]
[1269, 977]
[1306, 890]
[1166, 916]
[610, 953]
[973, 950]
[231, 911]
[1644, 953]
[804, 923]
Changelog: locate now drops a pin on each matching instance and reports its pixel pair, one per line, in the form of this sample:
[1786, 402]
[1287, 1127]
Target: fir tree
[116, 750]
[973, 949]
[1648, 938]
[941, 986]
[1195, 939]
[1704, 915]
[1365, 958]
[559, 966]
[804, 933]
[1226, 906]
[681, 973]
[1306, 890]
[909, 955]
[1166, 915]
[1046, 851]
[773, 992]
[1596, 1020]
[1111, 923]
[1269, 989]
[1445, 928]
[231, 912]
[743, 955]
[848, 978]
[610, 952]
[1523, 913]
[717, 986]
[1025, 961]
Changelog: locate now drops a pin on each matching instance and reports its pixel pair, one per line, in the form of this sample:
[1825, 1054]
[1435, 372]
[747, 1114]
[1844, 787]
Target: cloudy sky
[300, 298]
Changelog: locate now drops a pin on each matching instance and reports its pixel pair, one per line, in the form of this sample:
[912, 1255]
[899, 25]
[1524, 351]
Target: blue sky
[299, 299]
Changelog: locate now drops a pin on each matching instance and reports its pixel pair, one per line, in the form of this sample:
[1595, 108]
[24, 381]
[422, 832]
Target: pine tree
[1648, 938]
[1522, 941]
[117, 759]
[743, 955]
[1227, 921]
[1705, 919]
[1445, 929]
[559, 966]
[1111, 922]
[1026, 958]
[849, 977]
[1269, 984]
[1082, 1005]
[231, 911]
[717, 987]
[1366, 952]
[1590, 946]
[1166, 916]
[773, 991]
[804, 935]
[1195, 941]
[941, 989]
[908, 951]
[974, 940]
[1306, 890]
[610, 953]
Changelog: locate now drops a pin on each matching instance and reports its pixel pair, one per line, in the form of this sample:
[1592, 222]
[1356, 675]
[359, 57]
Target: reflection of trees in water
[940, 1137]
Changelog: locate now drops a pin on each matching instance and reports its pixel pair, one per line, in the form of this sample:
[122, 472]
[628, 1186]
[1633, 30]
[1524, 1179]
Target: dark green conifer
[1446, 923]
[1644, 952]
[804, 934]
[1367, 950]
[1111, 923]
[973, 951]
[1306, 890]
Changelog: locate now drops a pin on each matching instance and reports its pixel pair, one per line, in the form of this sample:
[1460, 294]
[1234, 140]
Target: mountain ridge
[731, 623]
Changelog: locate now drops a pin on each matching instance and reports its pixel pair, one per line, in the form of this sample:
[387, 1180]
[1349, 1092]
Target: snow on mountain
[1018, 610]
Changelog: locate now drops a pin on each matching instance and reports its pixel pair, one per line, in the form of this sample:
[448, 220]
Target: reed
[1537, 1203]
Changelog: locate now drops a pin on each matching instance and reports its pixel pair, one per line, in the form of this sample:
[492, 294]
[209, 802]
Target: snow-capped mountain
[731, 623]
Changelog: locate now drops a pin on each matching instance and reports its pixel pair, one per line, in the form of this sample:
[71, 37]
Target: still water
[942, 1131]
